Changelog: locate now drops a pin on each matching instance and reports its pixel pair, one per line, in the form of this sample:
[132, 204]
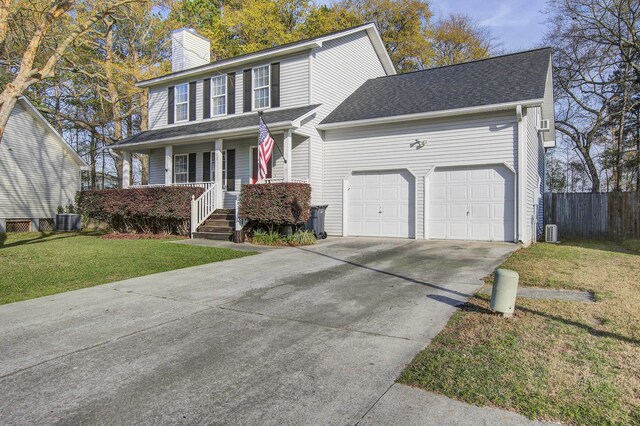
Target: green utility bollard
[504, 292]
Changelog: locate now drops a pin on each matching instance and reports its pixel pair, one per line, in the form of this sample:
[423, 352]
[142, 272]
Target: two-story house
[452, 152]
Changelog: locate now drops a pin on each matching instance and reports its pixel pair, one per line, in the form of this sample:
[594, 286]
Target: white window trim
[251, 162]
[174, 168]
[224, 78]
[175, 103]
[253, 89]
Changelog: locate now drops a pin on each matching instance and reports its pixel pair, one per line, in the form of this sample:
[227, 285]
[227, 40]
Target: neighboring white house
[39, 171]
[454, 152]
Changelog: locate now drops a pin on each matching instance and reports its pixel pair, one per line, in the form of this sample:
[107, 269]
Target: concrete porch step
[221, 236]
[216, 229]
[219, 223]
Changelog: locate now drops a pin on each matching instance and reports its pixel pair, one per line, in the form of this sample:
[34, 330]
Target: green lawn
[577, 363]
[35, 264]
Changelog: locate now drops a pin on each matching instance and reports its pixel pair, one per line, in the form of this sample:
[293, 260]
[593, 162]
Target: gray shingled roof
[509, 78]
[228, 123]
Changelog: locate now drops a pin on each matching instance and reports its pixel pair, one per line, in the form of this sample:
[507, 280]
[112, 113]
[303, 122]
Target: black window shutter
[206, 98]
[231, 170]
[206, 166]
[173, 170]
[231, 93]
[171, 110]
[246, 89]
[192, 167]
[192, 101]
[275, 84]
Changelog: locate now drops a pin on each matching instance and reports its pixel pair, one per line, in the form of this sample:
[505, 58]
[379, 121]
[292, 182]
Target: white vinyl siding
[156, 166]
[37, 174]
[219, 95]
[535, 174]
[300, 157]
[158, 106]
[468, 140]
[336, 70]
[181, 102]
[261, 87]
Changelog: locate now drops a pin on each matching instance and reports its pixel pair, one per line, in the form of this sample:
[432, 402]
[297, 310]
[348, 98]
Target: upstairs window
[219, 95]
[261, 83]
[182, 102]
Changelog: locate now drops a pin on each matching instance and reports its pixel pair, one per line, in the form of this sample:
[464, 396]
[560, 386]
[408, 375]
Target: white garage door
[381, 204]
[472, 203]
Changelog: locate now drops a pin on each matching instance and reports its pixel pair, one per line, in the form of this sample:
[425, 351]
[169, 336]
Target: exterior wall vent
[544, 126]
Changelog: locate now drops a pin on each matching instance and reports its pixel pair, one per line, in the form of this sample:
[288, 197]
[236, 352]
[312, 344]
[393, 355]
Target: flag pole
[274, 141]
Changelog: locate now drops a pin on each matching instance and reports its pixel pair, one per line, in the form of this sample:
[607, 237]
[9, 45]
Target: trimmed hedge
[144, 210]
[276, 204]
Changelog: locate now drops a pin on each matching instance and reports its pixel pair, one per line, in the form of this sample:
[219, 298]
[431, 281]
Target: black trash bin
[316, 221]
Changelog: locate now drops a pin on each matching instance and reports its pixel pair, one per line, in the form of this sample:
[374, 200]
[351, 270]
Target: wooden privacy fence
[606, 215]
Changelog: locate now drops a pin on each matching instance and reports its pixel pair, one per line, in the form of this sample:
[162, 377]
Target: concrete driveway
[295, 335]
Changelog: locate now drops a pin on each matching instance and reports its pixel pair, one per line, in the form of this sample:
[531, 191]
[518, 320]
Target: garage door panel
[458, 192]
[480, 192]
[387, 204]
[473, 203]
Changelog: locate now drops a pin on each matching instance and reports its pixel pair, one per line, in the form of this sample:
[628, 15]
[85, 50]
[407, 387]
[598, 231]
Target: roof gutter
[431, 114]
[196, 138]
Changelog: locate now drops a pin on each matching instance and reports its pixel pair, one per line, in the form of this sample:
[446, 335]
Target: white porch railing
[203, 206]
[279, 180]
[204, 185]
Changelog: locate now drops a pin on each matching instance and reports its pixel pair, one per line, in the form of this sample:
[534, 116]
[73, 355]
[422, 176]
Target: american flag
[265, 150]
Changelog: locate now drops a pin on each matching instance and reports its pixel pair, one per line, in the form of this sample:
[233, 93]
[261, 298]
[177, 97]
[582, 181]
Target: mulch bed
[120, 236]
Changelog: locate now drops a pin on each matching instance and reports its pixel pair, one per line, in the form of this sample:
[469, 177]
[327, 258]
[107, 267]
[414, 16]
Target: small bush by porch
[272, 208]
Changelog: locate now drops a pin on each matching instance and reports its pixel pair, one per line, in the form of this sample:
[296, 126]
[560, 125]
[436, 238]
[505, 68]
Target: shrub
[146, 210]
[276, 204]
[273, 238]
[301, 238]
[266, 238]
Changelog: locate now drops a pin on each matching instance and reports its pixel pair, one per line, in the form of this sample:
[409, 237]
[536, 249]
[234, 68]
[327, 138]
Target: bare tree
[592, 40]
[42, 37]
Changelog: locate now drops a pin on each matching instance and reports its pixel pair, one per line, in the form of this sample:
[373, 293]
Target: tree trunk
[592, 169]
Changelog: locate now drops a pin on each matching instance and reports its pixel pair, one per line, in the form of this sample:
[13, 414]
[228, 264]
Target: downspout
[520, 187]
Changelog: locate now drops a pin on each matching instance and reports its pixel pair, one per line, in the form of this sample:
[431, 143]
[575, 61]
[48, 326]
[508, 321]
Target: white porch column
[217, 171]
[168, 164]
[287, 154]
[126, 169]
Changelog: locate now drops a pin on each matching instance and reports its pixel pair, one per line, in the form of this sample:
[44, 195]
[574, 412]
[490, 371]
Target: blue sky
[516, 24]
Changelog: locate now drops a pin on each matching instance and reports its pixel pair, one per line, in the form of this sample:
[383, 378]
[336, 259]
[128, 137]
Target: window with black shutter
[275, 85]
[231, 93]
[192, 101]
[206, 98]
[206, 167]
[192, 167]
[231, 169]
[171, 110]
[246, 90]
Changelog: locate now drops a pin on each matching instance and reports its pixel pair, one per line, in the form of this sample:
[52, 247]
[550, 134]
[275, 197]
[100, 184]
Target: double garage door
[470, 203]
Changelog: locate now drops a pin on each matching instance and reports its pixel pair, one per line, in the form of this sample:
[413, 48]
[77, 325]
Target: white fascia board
[427, 115]
[298, 121]
[200, 137]
[38, 116]
[232, 62]
[381, 50]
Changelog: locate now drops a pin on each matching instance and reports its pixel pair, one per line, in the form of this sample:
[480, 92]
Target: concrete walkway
[295, 336]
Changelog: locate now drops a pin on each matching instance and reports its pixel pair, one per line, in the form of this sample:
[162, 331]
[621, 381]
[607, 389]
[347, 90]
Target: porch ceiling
[238, 125]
